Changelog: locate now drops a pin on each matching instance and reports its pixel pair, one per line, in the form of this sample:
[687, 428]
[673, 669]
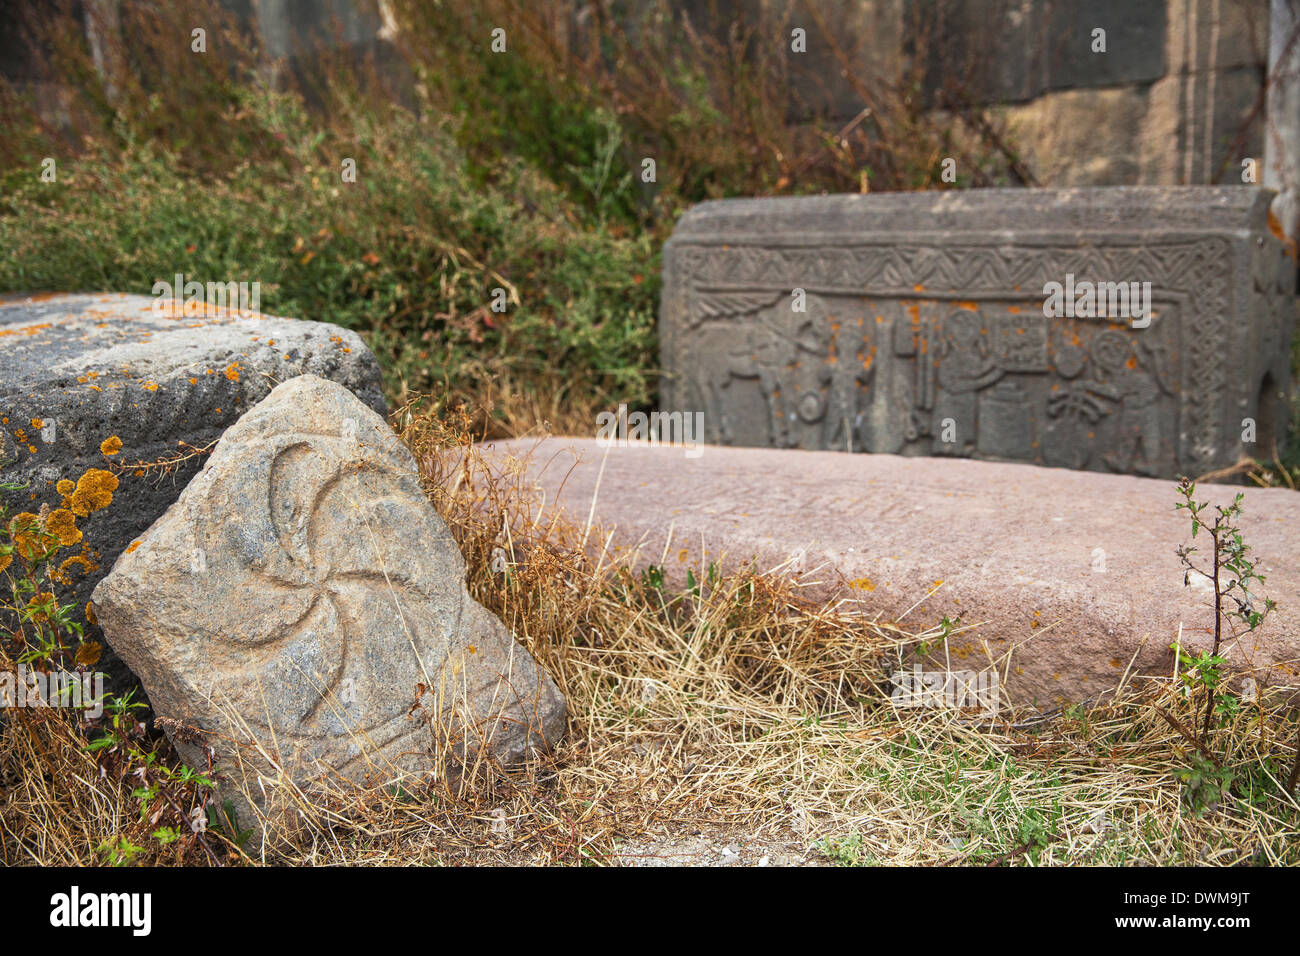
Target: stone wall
[1175, 99]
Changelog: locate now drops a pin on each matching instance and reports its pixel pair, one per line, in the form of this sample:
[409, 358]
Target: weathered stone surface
[304, 586]
[924, 330]
[1015, 50]
[90, 366]
[1066, 146]
[1073, 572]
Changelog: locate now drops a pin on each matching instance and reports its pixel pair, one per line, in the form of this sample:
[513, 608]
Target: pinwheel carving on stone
[304, 590]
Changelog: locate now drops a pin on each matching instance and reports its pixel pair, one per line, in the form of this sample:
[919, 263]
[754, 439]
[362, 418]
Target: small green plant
[169, 797]
[946, 628]
[1205, 784]
[1231, 572]
[223, 820]
[652, 578]
[843, 851]
[119, 852]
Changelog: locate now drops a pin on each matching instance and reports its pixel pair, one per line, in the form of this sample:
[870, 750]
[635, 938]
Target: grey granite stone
[924, 329]
[303, 607]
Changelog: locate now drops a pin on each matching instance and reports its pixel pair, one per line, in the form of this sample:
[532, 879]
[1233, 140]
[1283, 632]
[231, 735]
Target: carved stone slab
[1075, 594]
[303, 598]
[915, 324]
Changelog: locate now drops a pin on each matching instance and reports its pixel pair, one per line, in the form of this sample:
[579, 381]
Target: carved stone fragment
[303, 606]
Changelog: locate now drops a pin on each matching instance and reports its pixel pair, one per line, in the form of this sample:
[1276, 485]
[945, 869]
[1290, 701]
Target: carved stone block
[918, 324]
[302, 606]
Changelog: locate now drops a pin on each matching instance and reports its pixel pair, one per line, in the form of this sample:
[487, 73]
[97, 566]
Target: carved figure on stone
[965, 365]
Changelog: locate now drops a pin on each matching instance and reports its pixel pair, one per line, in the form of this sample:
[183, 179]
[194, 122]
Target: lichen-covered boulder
[303, 601]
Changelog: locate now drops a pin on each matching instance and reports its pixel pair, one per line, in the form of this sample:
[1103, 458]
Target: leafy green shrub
[409, 255]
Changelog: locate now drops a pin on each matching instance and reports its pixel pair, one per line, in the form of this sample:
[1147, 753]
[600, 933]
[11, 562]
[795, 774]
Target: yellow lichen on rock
[94, 492]
[62, 523]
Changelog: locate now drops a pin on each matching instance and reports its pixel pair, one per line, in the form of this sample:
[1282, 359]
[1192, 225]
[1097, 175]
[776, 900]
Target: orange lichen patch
[88, 654]
[1132, 362]
[91, 617]
[62, 523]
[862, 584]
[194, 381]
[232, 371]
[150, 386]
[968, 306]
[94, 388]
[38, 423]
[132, 546]
[683, 554]
[94, 492]
[63, 574]
[111, 445]
[27, 329]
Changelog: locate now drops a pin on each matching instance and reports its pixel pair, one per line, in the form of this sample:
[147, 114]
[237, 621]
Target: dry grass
[739, 712]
